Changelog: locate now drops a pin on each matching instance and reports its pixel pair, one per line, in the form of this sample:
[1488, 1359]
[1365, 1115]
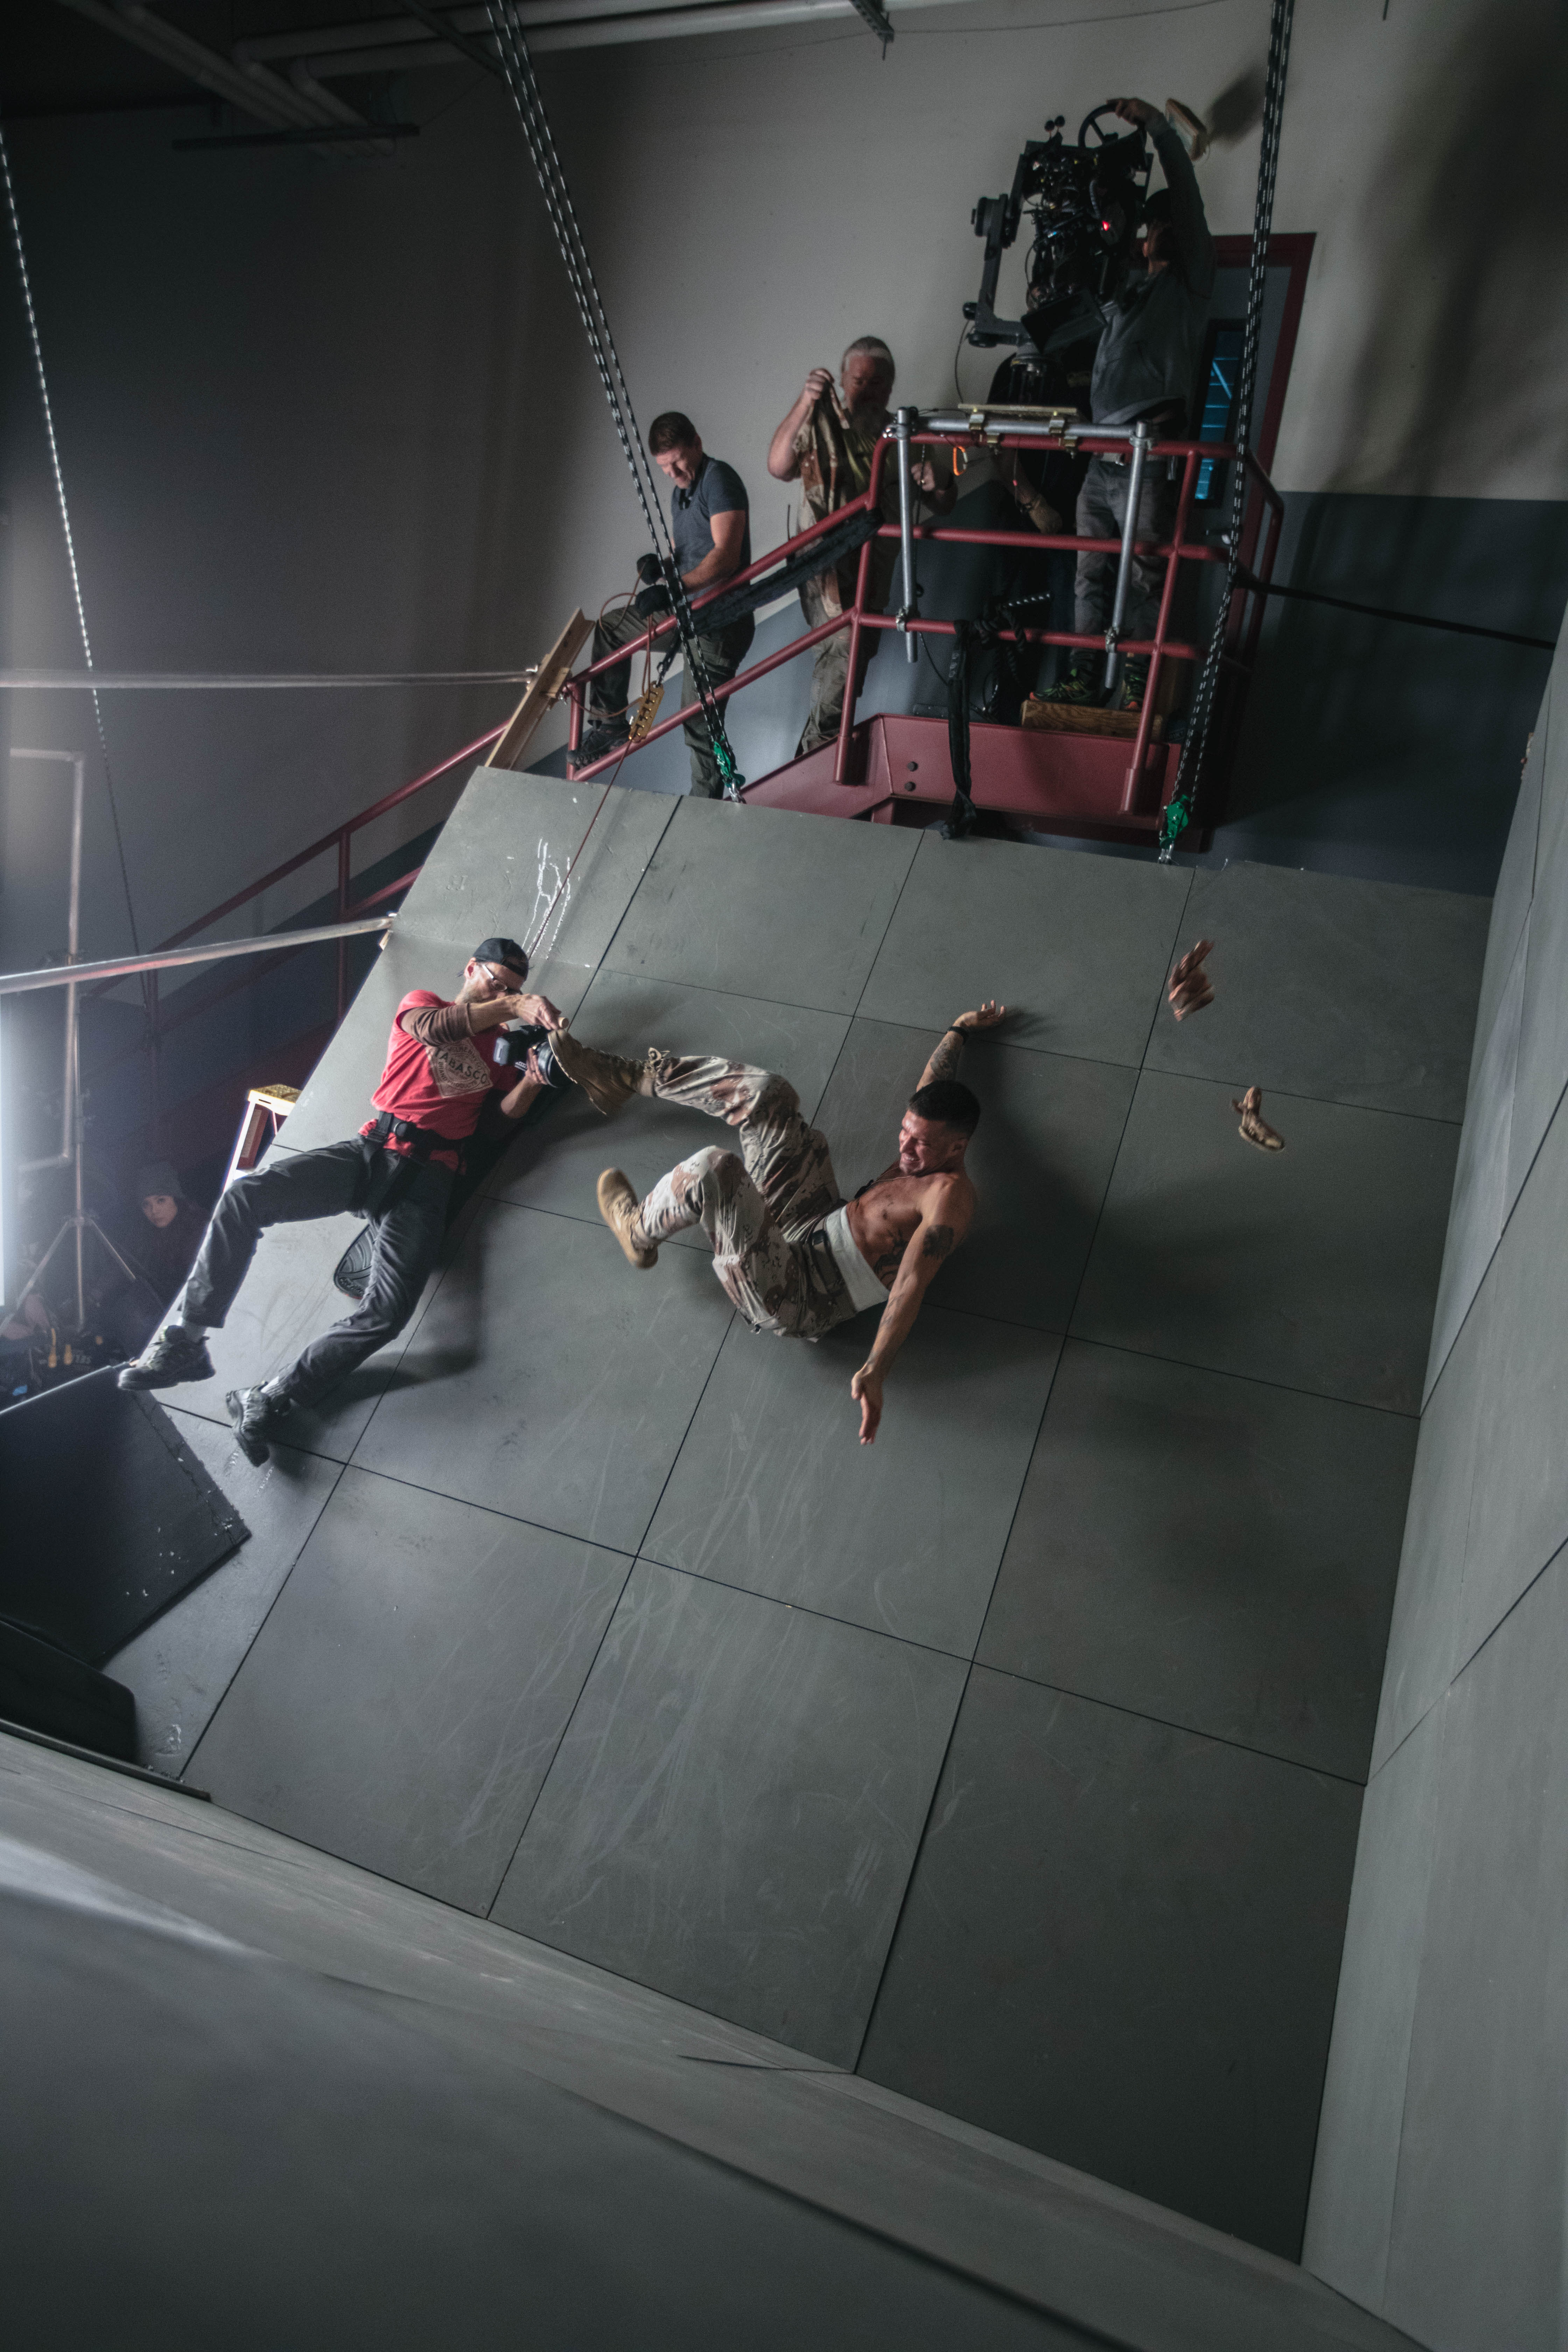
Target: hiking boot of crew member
[256, 1416]
[172, 1357]
[618, 1207]
[1079, 689]
[609, 1081]
[1134, 686]
[605, 736]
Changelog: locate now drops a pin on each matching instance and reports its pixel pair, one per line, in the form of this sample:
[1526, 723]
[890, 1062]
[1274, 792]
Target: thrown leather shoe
[170, 1357]
[618, 1207]
[1255, 1128]
[608, 1080]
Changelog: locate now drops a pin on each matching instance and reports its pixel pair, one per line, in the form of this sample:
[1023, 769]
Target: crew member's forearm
[713, 568]
[1194, 239]
[514, 1104]
[490, 1015]
[783, 464]
[944, 1062]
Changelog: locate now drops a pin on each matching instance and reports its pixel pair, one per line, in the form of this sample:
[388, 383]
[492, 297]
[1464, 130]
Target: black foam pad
[44, 1689]
[110, 1516]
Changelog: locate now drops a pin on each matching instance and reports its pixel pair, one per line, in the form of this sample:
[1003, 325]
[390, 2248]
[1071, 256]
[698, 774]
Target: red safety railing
[339, 840]
[1263, 516]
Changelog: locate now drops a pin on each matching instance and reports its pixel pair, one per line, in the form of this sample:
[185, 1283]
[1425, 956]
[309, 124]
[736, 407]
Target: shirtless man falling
[794, 1255]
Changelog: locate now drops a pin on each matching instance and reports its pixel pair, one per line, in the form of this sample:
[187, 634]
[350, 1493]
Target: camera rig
[1086, 201]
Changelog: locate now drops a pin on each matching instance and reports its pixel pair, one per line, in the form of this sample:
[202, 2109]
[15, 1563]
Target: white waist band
[864, 1289]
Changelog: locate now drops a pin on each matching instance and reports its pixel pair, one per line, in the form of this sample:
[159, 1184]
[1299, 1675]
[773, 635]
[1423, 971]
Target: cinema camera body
[1086, 201]
[516, 1042]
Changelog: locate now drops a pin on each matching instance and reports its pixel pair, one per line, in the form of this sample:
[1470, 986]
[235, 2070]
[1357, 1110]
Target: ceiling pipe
[247, 85]
[400, 44]
[386, 32]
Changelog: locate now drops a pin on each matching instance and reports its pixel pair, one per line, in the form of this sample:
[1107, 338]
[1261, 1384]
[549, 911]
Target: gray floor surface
[1016, 1760]
[210, 1922]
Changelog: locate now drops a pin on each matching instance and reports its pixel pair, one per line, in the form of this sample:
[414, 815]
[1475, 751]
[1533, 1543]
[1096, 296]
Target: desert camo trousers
[760, 1206]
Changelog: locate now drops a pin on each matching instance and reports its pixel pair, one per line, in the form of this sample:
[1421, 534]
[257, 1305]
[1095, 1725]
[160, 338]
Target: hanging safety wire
[518, 68]
[1179, 809]
[47, 405]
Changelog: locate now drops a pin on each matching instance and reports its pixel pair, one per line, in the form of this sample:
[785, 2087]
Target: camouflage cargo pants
[758, 1207]
[1101, 514]
[830, 674]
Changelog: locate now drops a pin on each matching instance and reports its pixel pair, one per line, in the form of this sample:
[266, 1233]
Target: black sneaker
[1079, 689]
[1134, 686]
[606, 736]
[256, 1416]
[171, 1357]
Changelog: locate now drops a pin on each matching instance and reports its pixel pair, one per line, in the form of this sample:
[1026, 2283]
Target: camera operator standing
[710, 529]
[1144, 371]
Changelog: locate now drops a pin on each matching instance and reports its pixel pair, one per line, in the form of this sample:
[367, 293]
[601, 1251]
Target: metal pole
[15, 984]
[343, 855]
[76, 1122]
[904, 426]
[73, 945]
[1135, 464]
[1132, 783]
[77, 764]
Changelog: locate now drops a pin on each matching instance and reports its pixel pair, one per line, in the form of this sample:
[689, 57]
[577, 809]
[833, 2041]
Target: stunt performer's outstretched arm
[944, 1062]
[945, 1217]
[942, 1227]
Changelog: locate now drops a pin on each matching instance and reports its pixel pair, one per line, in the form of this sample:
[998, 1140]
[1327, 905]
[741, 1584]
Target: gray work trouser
[721, 655]
[1101, 513]
[407, 1205]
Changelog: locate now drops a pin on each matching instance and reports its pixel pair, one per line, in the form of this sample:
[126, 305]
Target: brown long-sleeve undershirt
[437, 1024]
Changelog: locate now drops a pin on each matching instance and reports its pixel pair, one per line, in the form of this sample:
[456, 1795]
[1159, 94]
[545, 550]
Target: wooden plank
[543, 689]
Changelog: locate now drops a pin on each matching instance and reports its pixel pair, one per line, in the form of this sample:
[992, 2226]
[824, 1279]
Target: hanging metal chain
[1178, 810]
[47, 405]
[518, 68]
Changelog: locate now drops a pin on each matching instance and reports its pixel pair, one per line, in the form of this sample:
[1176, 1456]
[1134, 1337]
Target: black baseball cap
[505, 951]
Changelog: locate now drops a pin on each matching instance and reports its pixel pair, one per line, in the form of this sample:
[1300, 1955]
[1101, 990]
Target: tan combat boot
[618, 1207]
[608, 1080]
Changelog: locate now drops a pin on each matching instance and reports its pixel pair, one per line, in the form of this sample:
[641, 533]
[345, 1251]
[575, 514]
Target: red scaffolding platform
[892, 768]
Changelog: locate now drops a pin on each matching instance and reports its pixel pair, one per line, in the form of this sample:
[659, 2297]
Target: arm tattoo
[937, 1242]
[944, 1062]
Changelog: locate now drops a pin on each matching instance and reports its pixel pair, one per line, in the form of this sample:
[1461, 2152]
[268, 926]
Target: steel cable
[47, 405]
[1178, 811]
[517, 65]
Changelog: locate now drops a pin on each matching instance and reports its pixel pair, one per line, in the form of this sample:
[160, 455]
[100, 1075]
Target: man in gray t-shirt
[710, 518]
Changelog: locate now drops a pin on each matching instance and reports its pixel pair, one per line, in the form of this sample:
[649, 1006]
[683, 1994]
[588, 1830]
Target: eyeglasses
[503, 976]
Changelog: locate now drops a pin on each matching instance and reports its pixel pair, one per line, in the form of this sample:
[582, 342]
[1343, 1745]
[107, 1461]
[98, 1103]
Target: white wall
[324, 414]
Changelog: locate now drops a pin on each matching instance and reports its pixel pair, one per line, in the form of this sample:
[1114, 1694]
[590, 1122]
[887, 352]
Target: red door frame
[1293, 253]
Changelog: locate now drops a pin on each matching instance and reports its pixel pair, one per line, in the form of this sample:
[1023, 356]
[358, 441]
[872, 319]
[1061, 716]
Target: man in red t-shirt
[441, 1073]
